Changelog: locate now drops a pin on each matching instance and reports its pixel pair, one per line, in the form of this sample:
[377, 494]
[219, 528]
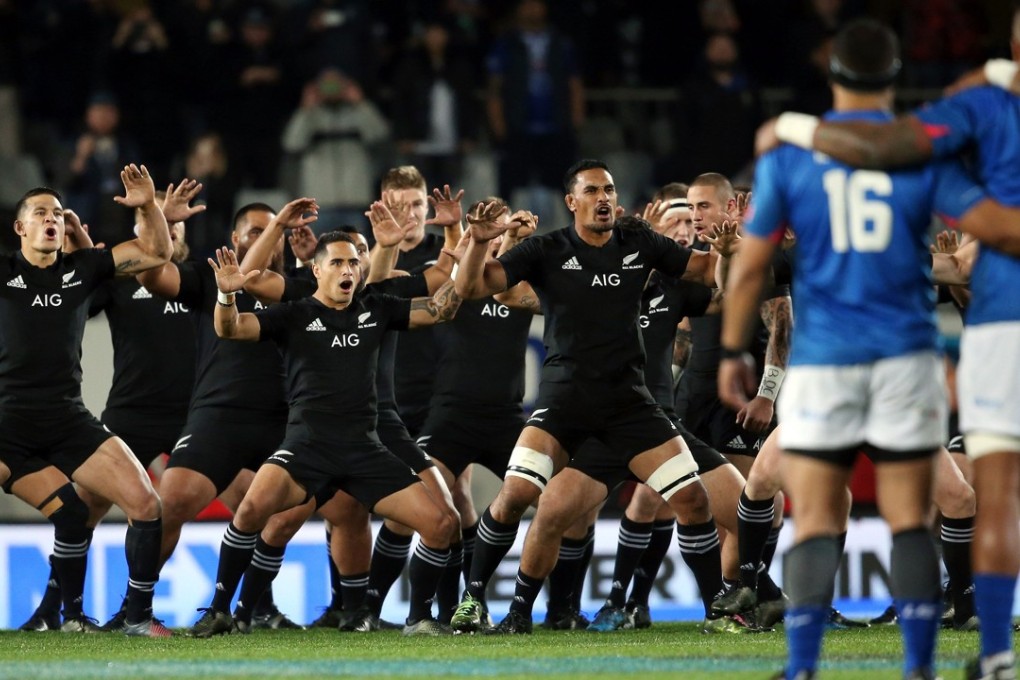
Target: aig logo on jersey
[363, 318]
[495, 309]
[68, 281]
[628, 261]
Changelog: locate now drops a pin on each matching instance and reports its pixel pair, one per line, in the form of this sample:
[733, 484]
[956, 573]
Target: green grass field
[665, 651]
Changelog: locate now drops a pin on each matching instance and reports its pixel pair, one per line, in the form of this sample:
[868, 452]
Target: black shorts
[220, 442]
[597, 461]
[323, 465]
[626, 419]
[716, 424]
[147, 435]
[64, 438]
[457, 435]
[394, 436]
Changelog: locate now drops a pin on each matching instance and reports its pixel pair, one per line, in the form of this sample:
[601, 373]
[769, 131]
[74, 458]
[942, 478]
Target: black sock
[256, 597]
[50, 603]
[425, 570]
[335, 591]
[767, 588]
[957, 536]
[770, 546]
[633, 541]
[582, 569]
[388, 559]
[353, 589]
[651, 561]
[492, 543]
[699, 546]
[525, 593]
[448, 592]
[564, 575]
[467, 537]
[141, 546]
[236, 550]
[754, 523]
[69, 562]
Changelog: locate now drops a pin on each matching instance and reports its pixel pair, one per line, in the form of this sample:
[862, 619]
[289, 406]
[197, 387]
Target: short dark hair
[348, 229]
[335, 236]
[632, 223]
[719, 182]
[865, 56]
[251, 207]
[31, 193]
[671, 190]
[580, 166]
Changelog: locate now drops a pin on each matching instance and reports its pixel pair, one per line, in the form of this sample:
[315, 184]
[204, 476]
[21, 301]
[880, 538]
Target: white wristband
[771, 381]
[1001, 72]
[225, 299]
[797, 129]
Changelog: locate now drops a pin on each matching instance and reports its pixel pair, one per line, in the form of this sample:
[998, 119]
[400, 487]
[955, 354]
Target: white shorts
[988, 379]
[895, 404]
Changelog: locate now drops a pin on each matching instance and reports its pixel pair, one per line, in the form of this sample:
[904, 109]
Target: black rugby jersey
[501, 334]
[665, 303]
[399, 286]
[330, 355]
[153, 348]
[228, 374]
[591, 299]
[42, 321]
[417, 354]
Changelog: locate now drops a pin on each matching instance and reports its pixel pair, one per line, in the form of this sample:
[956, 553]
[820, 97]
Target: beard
[599, 227]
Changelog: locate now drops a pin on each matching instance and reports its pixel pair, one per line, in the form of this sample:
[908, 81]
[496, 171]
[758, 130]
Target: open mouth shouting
[347, 286]
[604, 212]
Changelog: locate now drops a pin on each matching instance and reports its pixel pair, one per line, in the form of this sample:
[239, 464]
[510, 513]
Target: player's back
[862, 270]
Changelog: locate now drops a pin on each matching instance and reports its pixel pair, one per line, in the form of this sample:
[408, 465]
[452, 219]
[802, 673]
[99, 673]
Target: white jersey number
[860, 220]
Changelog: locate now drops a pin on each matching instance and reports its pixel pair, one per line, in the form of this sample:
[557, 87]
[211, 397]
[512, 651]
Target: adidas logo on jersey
[629, 259]
[362, 318]
[67, 282]
[17, 282]
[315, 326]
[142, 294]
[572, 263]
[737, 444]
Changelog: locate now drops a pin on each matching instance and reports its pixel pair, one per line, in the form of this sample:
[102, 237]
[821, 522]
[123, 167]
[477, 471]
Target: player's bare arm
[229, 279]
[439, 308]
[479, 277]
[153, 247]
[268, 285]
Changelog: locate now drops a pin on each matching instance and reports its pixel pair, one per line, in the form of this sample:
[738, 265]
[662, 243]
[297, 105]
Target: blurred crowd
[319, 97]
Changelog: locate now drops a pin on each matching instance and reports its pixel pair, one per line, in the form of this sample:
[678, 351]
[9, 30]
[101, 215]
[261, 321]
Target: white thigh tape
[673, 475]
[980, 444]
[531, 465]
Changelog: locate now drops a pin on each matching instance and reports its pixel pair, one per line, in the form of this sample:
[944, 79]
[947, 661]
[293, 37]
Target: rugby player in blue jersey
[861, 262]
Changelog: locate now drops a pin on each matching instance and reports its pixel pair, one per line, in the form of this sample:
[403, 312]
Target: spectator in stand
[100, 153]
[207, 162]
[337, 132]
[435, 117]
[535, 100]
[340, 34]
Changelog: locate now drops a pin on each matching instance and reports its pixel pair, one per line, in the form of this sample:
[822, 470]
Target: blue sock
[919, 625]
[993, 595]
[804, 629]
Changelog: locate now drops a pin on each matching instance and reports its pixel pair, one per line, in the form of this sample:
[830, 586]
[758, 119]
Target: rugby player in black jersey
[363, 589]
[330, 342]
[237, 412]
[47, 436]
[589, 279]
[153, 371]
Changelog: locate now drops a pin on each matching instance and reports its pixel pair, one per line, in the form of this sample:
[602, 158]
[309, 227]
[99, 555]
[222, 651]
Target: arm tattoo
[682, 347]
[530, 303]
[442, 306]
[127, 266]
[777, 315]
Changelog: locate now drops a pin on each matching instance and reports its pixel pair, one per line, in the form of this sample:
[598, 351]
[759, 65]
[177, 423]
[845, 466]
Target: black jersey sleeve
[95, 266]
[411, 286]
[192, 289]
[521, 263]
[697, 298]
[274, 322]
[102, 297]
[297, 287]
[667, 255]
[396, 311]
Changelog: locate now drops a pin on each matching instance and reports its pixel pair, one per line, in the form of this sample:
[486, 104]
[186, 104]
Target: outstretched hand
[484, 221]
[298, 213]
[176, 206]
[523, 224]
[457, 253]
[385, 227]
[737, 381]
[446, 206]
[229, 278]
[946, 242]
[138, 187]
[303, 242]
[724, 238]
